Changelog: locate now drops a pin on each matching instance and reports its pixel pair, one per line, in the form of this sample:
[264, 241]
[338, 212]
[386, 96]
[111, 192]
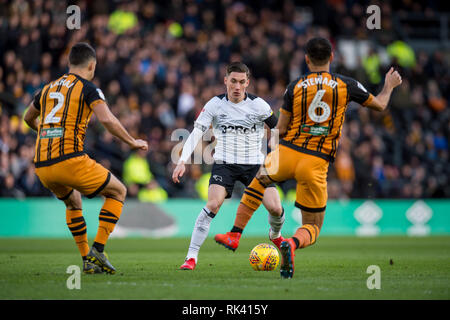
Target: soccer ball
[264, 257]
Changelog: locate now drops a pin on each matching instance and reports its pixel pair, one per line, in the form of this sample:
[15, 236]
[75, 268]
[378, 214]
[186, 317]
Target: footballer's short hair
[238, 67]
[81, 53]
[319, 51]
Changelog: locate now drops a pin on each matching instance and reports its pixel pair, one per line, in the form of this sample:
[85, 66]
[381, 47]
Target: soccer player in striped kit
[310, 125]
[64, 108]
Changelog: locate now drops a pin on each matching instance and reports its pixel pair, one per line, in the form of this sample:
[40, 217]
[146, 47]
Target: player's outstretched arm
[188, 148]
[391, 80]
[113, 125]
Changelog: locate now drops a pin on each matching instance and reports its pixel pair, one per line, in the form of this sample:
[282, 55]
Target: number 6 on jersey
[317, 103]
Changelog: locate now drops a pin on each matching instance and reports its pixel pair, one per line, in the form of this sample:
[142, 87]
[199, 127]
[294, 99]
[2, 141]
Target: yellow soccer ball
[264, 257]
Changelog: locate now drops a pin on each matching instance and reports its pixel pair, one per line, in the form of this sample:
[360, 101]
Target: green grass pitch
[334, 268]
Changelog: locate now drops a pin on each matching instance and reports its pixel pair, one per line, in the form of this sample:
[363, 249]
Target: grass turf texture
[334, 268]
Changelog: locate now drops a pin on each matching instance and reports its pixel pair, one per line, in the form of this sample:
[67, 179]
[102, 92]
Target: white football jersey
[238, 128]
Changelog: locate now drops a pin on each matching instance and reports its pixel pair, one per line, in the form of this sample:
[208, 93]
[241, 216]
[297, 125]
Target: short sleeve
[37, 100]
[266, 114]
[288, 98]
[206, 116]
[266, 110]
[92, 95]
[358, 93]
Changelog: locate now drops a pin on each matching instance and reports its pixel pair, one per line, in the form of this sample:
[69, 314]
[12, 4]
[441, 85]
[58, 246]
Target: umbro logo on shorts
[217, 177]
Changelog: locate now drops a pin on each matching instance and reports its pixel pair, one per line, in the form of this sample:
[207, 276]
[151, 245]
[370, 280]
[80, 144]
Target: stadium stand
[160, 61]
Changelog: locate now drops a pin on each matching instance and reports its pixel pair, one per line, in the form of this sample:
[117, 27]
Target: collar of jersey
[245, 98]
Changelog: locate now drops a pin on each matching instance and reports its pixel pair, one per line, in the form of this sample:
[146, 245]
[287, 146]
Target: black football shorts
[226, 174]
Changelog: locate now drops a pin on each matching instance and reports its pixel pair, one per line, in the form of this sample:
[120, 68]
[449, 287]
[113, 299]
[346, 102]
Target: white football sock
[276, 223]
[200, 232]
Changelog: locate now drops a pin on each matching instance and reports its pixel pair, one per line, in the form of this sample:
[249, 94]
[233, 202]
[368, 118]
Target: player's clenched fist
[178, 172]
[140, 144]
[393, 78]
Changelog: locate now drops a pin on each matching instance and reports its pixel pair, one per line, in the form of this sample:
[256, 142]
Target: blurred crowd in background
[159, 62]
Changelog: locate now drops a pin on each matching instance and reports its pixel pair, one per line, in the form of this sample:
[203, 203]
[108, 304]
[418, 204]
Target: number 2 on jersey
[50, 118]
[316, 104]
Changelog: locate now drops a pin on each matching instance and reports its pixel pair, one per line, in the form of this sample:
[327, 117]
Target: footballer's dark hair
[238, 67]
[81, 53]
[318, 51]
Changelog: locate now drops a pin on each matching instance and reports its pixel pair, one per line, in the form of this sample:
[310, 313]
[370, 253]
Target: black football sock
[236, 229]
[297, 243]
[100, 247]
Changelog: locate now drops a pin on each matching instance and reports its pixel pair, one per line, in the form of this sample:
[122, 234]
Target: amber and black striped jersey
[66, 106]
[316, 103]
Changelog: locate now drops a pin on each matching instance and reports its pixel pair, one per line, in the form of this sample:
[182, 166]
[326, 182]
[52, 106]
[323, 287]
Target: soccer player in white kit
[238, 120]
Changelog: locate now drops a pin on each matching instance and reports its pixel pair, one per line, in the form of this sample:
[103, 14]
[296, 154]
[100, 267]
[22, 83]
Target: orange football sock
[243, 216]
[77, 226]
[109, 215]
[250, 202]
[253, 194]
[306, 235]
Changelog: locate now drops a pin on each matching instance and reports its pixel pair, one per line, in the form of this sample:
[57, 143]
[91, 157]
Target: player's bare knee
[122, 191]
[74, 201]
[117, 191]
[213, 205]
[71, 205]
[275, 209]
